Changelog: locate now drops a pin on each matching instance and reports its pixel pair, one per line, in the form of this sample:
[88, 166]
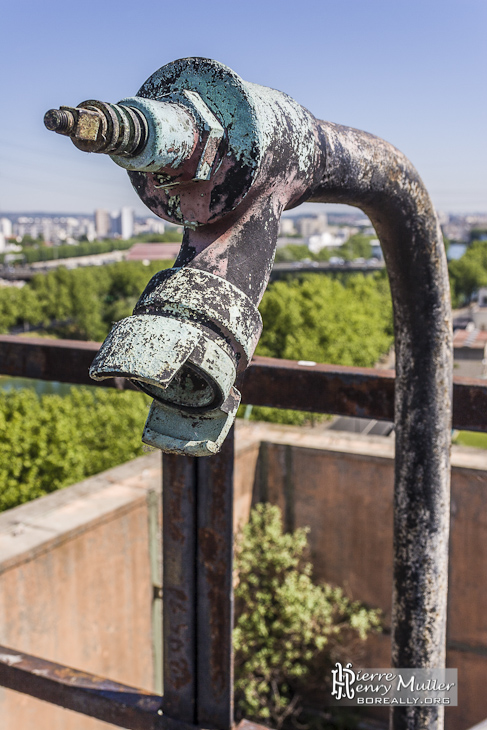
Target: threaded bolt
[96, 126]
[59, 120]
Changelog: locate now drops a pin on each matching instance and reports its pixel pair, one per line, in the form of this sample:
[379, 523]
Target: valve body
[223, 158]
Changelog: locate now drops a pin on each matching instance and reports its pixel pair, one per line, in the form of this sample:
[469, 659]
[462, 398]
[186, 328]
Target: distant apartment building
[308, 226]
[470, 352]
[51, 229]
[333, 237]
[324, 240]
[155, 225]
[122, 224]
[126, 223]
[287, 227]
[102, 223]
[6, 228]
[149, 225]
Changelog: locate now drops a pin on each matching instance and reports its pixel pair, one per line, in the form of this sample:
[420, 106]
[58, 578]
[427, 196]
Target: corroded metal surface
[98, 697]
[66, 361]
[197, 588]
[222, 270]
[207, 299]
[179, 584]
[96, 126]
[189, 334]
[119, 704]
[214, 597]
[319, 388]
[190, 433]
[365, 171]
[172, 136]
[342, 390]
[273, 155]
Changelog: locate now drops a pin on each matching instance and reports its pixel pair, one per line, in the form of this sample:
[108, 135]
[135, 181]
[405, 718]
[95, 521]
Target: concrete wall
[341, 485]
[77, 567]
[77, 570]
[76, 586]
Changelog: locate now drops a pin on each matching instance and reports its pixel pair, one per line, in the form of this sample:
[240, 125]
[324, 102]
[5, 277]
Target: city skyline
[410, 72]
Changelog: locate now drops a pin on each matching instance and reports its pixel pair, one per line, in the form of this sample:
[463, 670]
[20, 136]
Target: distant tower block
[102, 223]
[127, 223]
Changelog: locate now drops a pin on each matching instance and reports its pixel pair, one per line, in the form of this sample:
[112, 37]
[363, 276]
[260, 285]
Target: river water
[41, 387]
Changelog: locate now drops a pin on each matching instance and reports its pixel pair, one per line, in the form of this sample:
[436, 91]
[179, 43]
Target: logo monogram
[343, 679]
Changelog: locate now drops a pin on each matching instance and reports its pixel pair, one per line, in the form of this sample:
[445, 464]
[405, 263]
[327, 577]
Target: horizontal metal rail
[267, 382]
[337, 389]
[127, 707]
[89, 694]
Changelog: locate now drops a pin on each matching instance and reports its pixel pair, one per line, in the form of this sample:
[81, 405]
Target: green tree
[319, 318]
[28, 241]
[10, 308]
[468, 273]
[79, 303]
[357, 246]
[50, 441]
[289, 631]
[292, 252]
[322, 319]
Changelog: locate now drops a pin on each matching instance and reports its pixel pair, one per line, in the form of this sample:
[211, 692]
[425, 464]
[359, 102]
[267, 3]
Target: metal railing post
[179, 586]
[198, 588]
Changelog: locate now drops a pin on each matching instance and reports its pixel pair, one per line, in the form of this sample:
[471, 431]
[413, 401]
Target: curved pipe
[359, 169]
[362, 170]
[257, 153]
[371, 174]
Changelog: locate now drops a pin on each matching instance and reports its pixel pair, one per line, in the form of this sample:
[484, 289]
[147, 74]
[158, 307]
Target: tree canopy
[468, 273]
[50, 441]
[77, 303]
[320, 318]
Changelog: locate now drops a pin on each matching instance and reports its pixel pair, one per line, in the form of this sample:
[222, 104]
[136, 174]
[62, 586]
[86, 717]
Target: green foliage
[318, 318]
[471, 438]
[357, 246]
[293, 252]
[50, 441]
[68, 251]
[169, 236]
[468, 273]
[28, 241]
[289, 632]
[77, 303]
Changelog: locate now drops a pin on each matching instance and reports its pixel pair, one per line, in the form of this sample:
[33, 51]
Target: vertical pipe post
[215, 588]
[198, 587]
[179, 586]
[371, 174]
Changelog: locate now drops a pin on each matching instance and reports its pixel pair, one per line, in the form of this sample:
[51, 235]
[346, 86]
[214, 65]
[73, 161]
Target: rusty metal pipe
[201, 317]
[367, 172]
[196, 326]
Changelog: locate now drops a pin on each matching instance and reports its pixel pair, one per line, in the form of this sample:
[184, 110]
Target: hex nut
[208, 124]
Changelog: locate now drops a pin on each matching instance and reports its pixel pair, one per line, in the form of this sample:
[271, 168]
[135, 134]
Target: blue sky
[413, 72]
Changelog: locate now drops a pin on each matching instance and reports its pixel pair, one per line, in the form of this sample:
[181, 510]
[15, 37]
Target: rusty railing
[198, 602]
